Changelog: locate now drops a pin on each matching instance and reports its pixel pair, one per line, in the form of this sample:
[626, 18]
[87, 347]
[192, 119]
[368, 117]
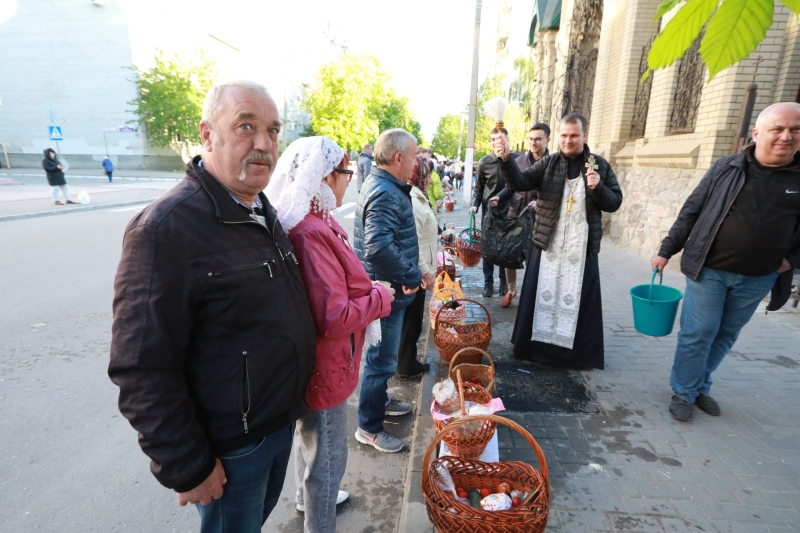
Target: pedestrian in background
[738, 230]
[108, 166]
[310, 180]
[490, 183]
[364, 165]
[213, 340]
[516, 201]
[55, 176]
[427, 235]
[386, 242]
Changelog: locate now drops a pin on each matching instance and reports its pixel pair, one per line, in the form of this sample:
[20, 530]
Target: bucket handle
[653, 281]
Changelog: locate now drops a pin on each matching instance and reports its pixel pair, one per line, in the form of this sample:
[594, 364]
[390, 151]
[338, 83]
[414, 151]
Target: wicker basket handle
[461, 392]
[426, 461]
[466, 351]
[458, 293]
[486, 311]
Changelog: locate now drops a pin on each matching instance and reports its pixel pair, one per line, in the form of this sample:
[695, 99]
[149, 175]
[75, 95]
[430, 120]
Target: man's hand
[784, 267]
[494, 200]
[391, 294]
[208, 490]
[60, 166]
[659, 262]
[532, 204]
[406, 290]
[427, 281]
[503, 145]
[592, 178]
[473, 210]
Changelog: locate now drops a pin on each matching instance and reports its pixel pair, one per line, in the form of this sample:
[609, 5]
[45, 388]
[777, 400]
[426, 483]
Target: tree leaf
[665, 7]
[735, 30]
[794, 5]
[645, 76]
[680, 32]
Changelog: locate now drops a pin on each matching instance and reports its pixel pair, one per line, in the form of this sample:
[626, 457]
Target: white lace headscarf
[297, 180]
[296, 183]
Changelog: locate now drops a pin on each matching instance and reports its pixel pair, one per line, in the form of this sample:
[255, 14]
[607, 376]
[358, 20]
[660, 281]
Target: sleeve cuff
[199, 477]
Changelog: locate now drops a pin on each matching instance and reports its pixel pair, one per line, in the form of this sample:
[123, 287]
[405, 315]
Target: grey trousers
[511, 279]
[320, 458]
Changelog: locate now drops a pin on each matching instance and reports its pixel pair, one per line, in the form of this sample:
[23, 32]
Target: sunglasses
[347, 172]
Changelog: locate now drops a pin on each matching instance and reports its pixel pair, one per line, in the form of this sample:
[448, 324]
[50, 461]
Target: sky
[425, 45]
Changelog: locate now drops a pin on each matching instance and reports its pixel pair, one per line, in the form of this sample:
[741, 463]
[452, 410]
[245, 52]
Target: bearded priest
[560, 316]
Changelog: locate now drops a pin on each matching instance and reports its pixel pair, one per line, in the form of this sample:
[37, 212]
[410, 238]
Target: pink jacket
[343, 302]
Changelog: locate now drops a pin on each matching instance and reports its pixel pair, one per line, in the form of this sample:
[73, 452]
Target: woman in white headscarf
[309, 182]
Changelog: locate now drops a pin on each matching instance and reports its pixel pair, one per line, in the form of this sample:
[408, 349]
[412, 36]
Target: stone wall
[652, 198]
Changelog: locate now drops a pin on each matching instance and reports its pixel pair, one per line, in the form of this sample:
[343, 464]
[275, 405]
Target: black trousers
[407, 364]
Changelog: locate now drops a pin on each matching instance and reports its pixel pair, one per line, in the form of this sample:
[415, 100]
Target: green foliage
[734, 28]
[492, 86]
[352, 102]
[170, 101]
[445, 140]
[521, 88]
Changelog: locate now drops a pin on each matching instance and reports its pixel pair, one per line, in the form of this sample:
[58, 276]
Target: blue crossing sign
[55, 133]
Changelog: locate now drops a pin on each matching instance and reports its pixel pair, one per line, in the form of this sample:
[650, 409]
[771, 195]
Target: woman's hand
[391, 294]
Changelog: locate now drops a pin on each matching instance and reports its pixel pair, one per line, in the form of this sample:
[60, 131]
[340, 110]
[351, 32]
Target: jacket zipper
[244, 267]
[716, 229]
[247, 391]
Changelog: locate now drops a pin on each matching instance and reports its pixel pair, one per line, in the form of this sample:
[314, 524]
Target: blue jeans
[380, 365]
[255, 477]
[488, 272]
[715, 309]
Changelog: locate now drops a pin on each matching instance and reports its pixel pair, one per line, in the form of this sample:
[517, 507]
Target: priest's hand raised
[592, 178]
[659, 262]
[502, 146]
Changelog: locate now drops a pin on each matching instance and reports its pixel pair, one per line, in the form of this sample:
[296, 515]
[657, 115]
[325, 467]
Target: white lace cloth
[296, 184]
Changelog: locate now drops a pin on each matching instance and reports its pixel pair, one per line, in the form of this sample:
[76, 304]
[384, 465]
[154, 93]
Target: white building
[67, 63]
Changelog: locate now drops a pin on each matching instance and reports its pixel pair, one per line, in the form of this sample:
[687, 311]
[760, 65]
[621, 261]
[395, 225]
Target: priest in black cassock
[560, 317]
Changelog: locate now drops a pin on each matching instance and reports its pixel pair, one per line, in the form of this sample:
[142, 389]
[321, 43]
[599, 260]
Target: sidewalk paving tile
[631, 467]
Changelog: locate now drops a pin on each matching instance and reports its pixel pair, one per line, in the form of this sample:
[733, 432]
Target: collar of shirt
[256, 203]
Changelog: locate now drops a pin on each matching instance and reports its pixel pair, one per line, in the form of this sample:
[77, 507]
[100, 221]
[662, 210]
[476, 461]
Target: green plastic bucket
[655, 307]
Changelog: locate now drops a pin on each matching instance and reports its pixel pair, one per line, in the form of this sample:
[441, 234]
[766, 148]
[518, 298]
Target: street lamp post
[473, 105]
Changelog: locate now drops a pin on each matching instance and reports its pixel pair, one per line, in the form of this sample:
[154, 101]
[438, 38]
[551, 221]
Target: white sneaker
[340, 498]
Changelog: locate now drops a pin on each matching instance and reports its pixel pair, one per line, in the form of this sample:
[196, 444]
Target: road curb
[413, 514]
[103, 178]
[22, 216]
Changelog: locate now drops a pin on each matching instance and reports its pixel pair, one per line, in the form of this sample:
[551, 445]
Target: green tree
[521, 88]
[734, 28]
[492, 86]
[352, 102]
[170, 100]
[445, 140]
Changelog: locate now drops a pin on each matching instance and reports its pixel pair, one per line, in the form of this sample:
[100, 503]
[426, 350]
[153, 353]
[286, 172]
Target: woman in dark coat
[55, 176]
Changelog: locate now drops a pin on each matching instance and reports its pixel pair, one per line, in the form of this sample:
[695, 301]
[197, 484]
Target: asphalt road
[68, 460]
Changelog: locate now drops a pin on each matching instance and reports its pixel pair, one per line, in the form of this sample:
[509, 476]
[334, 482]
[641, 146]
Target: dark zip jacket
[701, 216]
[545, 177]
[213, 342]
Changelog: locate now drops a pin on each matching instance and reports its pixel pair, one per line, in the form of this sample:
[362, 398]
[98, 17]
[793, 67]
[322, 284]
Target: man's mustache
[256, 157]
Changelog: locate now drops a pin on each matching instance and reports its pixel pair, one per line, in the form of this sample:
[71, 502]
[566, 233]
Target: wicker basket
[468, 447]
[475, 335]
[449, 515]
[448, 316]
[468, 244]
[468, 363]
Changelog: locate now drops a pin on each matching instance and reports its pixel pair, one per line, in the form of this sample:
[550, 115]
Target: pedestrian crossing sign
[55, 133]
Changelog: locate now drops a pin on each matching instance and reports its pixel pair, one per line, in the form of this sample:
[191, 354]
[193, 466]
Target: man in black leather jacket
[213, 342]
[738, 230]
[489, 184]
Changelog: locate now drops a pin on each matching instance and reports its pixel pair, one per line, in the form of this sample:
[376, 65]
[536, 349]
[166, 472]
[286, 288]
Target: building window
[641, 103]
[689, 90]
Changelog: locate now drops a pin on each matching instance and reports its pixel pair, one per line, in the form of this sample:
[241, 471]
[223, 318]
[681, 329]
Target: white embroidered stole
[558, 295]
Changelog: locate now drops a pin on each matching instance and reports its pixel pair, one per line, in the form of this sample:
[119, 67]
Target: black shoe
[420, 369]
[503, 288]
[488, 290]
[680, 409]
[708, 405]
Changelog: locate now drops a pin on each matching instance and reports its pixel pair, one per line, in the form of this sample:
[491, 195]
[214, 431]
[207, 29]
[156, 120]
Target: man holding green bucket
[738, 230]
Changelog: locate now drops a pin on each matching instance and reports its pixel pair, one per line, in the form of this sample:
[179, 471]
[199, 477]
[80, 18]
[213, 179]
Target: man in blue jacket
[385, 239]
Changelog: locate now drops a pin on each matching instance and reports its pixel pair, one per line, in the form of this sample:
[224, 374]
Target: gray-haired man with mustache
[213, 341]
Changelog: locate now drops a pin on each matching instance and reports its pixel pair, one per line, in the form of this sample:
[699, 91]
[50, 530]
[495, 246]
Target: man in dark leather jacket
[738, 230]
[213, 342]
[385, 239]
[489, 184]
